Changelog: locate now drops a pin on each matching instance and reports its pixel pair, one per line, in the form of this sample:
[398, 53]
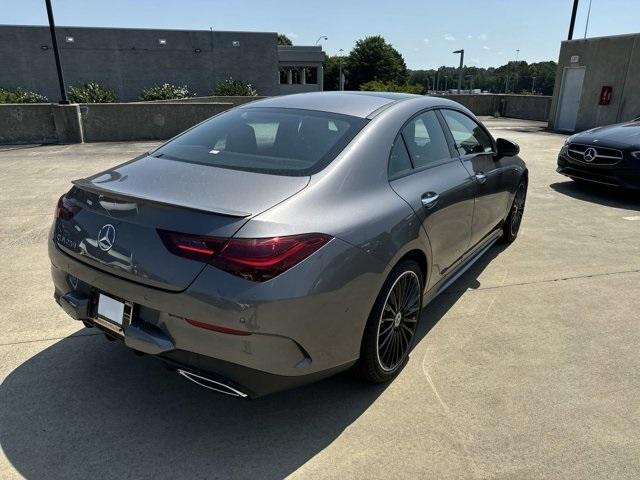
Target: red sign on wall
[605, 95]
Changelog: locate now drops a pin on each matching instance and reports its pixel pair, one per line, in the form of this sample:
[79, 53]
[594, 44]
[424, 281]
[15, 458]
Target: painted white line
[635, 217]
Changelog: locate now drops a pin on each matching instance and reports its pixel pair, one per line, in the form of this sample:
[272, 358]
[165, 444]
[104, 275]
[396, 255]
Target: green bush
[91, 93]
[235, 88]
[20, 95]
[166, 91]
[378, 86]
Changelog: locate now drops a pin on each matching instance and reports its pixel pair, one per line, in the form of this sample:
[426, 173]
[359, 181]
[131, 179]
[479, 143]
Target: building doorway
[569, 103]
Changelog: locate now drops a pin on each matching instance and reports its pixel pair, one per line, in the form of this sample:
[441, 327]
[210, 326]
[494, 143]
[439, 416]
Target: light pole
[461, 52]
[321, 37]
[586, 27]
[340, 77]
[573, 19]
[517, 54]
[533, 85]
[56, 54]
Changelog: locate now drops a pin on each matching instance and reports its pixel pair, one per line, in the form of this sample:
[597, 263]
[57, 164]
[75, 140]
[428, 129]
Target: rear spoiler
[89, 186]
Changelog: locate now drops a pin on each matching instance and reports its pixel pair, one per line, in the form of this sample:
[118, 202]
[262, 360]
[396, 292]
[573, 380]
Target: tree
[374, 59]
[516, 77]
[332, 71]
[284, 40]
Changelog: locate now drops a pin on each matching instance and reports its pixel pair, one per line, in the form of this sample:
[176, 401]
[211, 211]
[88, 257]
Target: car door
[477, 153]
[423, 171]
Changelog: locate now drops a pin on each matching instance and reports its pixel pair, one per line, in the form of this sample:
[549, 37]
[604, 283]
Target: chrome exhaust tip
[210, 384]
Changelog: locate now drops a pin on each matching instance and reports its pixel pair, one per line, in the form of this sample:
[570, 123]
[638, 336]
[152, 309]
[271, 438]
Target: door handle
[429, 199]
[480, 177]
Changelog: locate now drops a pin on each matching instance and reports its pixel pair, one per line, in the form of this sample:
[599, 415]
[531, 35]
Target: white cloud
[500, 53]
[449, 38]
[475, 61]
[425, 40]
[484, 47]
[292, 35]
[482, 36]
[469, 37]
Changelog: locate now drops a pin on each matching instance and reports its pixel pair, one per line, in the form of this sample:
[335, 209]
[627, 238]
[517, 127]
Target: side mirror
[506, 148]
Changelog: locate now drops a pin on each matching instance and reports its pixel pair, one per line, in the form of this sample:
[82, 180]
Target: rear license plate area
[111, 313]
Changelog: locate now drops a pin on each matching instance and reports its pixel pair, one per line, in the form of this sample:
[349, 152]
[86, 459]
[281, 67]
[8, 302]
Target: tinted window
[468, 135]
[425, 140]
[266, 140]
[399, 161]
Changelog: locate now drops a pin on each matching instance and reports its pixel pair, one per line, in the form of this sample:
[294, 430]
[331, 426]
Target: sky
[424, 31]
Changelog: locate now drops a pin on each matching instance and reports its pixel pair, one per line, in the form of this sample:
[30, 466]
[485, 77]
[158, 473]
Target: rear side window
[399, 161]
[469, 136]
[425, 140]
[266, 140]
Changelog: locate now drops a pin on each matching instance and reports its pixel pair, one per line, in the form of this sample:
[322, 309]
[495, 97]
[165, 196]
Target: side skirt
[462, 268]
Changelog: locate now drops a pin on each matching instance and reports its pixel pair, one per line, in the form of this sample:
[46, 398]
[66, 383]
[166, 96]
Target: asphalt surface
[527, 367]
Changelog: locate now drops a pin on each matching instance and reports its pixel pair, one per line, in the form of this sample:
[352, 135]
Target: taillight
[256, 259]
[195, 247]
[66, 208]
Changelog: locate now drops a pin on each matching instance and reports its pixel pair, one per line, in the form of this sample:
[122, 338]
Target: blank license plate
[111, 309]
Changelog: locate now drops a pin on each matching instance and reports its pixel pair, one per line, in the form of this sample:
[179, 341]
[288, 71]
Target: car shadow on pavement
[602, 194]
[89, 408]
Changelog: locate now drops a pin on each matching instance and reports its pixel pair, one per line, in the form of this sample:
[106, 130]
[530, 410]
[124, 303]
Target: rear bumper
[620, 175]
[301, 326]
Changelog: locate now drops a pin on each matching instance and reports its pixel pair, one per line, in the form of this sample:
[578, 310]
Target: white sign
[575, 58]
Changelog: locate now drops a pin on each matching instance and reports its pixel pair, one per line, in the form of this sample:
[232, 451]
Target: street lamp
[56, 54]
[340, 77]
[322, 37]
[461, 52]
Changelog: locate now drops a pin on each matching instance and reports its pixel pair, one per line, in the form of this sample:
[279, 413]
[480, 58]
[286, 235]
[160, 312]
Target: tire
[514, 219]
[388, 338]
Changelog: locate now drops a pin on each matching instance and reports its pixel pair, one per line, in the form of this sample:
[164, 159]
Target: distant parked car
[606, 155]
[287, 239]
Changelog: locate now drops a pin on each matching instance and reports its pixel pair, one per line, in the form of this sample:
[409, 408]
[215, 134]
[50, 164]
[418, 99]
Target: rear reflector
[216, 328]
[255, 259]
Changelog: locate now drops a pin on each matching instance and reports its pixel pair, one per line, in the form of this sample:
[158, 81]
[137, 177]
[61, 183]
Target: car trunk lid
[117, 215]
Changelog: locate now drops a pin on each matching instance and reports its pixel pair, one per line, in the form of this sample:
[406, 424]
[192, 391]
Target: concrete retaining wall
[21, 123]
[209, 99]
[105, 122]
[528, 107]
[109, 122]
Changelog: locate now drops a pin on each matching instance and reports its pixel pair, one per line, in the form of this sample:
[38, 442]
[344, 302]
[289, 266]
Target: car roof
[357, 104]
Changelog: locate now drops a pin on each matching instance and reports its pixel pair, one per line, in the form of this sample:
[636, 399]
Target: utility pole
[461, 52]
[533, 85]
[573, 19]
[56, 54]
[438, 80]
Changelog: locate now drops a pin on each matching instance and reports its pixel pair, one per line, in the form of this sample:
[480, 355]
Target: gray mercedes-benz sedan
[287, 239]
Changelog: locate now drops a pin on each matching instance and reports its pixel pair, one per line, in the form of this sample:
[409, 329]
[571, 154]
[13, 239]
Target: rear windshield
[266, 140]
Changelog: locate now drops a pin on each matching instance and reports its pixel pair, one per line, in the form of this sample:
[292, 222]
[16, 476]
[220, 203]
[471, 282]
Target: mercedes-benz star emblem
[590, 154]
[106, 237]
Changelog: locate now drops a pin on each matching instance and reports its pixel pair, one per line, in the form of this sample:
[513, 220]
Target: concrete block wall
[129, 60]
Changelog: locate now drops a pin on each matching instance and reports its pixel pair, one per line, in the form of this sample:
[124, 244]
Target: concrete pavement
[527, 367]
